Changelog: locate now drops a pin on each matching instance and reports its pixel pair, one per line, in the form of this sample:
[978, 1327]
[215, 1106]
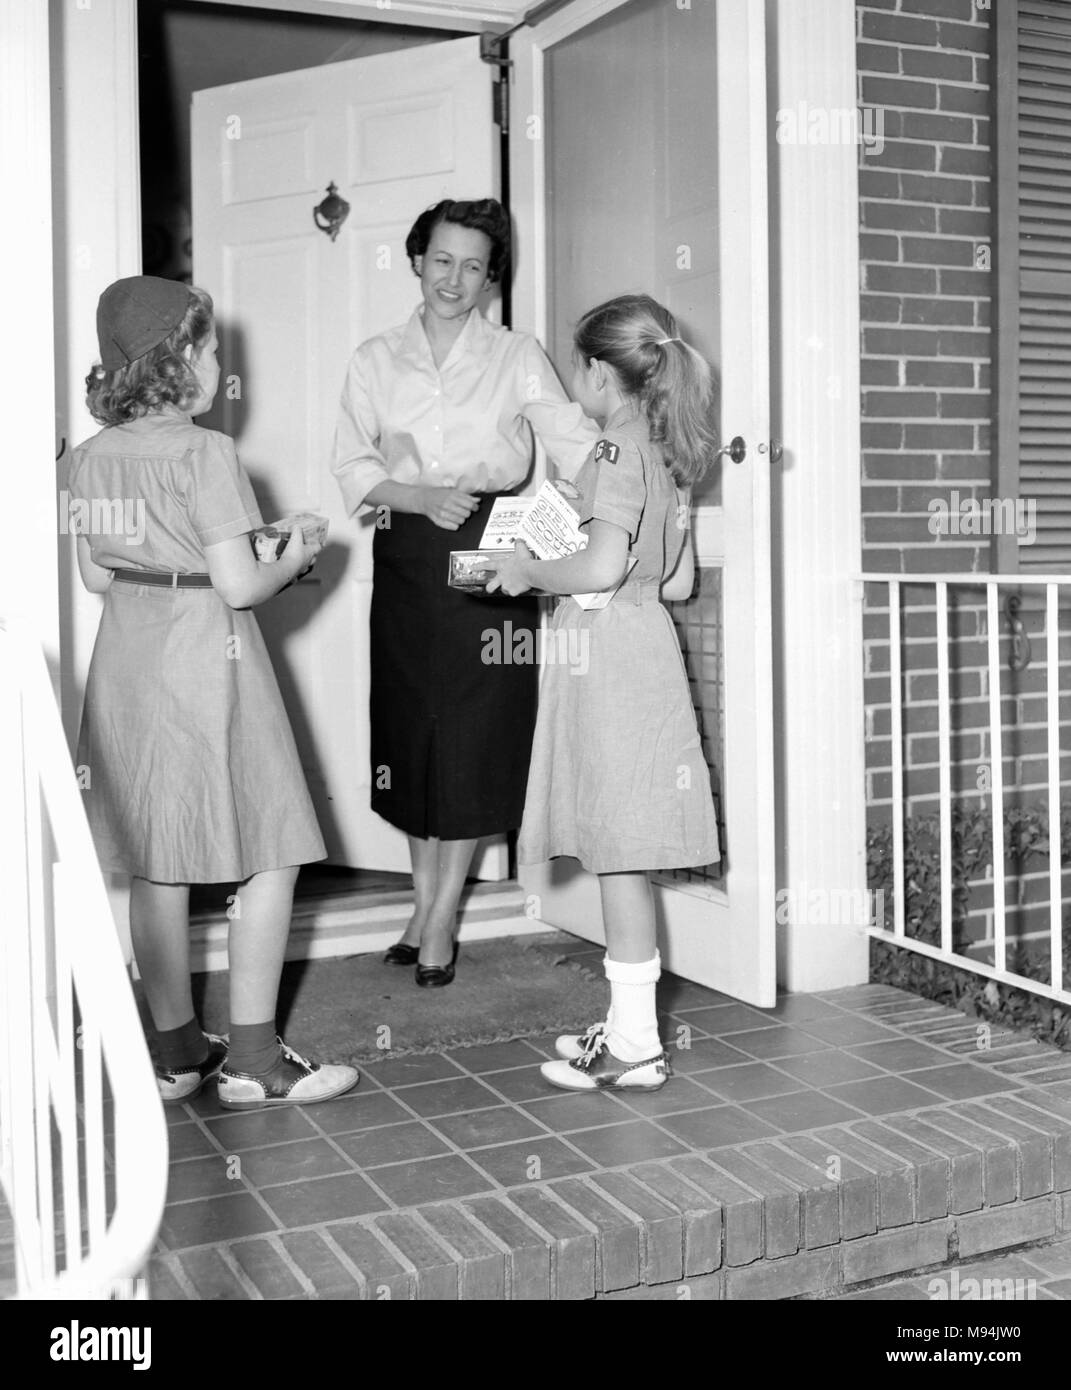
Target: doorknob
[737, 450]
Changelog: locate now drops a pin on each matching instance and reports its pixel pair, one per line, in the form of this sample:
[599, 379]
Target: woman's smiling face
[453, 271]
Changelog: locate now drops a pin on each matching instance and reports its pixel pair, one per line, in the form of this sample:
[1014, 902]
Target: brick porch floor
[813, 1149]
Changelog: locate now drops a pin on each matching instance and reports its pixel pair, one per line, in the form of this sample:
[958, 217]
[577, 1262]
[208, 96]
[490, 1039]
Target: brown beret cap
[136, 314]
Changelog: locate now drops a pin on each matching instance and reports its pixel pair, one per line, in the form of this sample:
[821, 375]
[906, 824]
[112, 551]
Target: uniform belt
[169, 581]
[647, 592]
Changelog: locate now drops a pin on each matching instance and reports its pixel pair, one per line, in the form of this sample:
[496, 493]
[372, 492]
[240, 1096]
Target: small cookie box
[270, 541]
[471, 569]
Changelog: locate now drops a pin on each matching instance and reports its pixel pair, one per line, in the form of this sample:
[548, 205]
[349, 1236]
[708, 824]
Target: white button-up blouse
[468, 422]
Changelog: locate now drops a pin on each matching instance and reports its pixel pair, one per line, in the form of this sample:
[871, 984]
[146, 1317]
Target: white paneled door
[638, 161]
[395, 133]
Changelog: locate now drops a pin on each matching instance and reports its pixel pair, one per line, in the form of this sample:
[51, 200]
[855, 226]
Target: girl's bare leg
[437, 941]
[160, 932]
[260, 925]
[628, 917]
[255, 1066]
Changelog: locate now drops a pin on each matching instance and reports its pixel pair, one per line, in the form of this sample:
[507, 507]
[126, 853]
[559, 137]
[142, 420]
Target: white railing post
[996, 756]
[65, 1097]
[944, 755]
[1052, 658]
[896, 696]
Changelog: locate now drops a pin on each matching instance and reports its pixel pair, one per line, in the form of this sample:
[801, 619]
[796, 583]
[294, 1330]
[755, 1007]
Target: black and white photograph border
[847, 216]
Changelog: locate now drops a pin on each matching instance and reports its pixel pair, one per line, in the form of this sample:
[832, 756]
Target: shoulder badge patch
[605, 450]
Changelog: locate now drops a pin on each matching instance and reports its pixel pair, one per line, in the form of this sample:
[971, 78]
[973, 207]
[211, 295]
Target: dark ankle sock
[253, 1049]
[182, 1047]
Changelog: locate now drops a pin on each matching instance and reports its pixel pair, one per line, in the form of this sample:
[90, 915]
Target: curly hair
[162, 376]
[485, 215]
[669, 380]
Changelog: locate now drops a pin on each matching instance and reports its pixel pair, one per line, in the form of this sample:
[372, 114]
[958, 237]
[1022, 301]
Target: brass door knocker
[333, 210]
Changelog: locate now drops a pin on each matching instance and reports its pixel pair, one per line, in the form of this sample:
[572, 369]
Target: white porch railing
[83, 1142]
[1052, 585]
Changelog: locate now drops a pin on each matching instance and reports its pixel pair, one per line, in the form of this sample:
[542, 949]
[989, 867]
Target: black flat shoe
[434, 976]
[401, 954]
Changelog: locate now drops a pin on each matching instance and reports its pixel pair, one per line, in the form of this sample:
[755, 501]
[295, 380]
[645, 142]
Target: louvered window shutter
[1033, 264]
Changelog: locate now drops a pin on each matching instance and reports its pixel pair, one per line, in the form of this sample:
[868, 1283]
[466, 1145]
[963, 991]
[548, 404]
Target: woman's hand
[512, 575]
[446, 506]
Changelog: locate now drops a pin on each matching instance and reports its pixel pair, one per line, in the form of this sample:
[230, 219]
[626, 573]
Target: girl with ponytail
[617, 776]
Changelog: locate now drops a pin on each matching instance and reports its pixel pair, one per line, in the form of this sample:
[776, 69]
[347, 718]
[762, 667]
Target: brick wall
[925, 217]
[926, 237]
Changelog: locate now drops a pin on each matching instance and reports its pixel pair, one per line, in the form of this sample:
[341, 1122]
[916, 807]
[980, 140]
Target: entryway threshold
[370, 920]
[836, 1140]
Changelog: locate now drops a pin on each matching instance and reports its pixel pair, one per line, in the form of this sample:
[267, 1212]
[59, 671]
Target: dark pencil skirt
[451, 730]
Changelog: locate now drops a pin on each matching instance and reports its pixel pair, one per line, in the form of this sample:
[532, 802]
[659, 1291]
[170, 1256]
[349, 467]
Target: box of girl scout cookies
[270, 541]
[548, 526]
[471, 569]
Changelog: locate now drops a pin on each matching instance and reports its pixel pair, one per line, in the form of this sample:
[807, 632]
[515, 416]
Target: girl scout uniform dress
[618, 778]
[192, 771]
[453, 731]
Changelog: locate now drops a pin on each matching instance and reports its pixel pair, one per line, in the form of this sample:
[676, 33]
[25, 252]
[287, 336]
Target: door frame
[818, 704]
[27, 358]
[819, 747]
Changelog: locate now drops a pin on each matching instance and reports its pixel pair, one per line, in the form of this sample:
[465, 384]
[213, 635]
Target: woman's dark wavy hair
[669, 380]
[485, 215]
[161, 377]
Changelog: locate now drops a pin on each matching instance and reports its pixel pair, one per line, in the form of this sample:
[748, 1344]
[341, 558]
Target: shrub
[1026, 840]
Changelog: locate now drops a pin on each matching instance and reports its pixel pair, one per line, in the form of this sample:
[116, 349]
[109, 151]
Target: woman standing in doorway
[437, 419]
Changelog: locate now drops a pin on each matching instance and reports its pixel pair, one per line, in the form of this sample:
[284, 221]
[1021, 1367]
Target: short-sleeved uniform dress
[617, 777]
[189, 767]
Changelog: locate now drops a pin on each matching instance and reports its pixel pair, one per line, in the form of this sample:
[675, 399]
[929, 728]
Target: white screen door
[396, 132]
[638, 162]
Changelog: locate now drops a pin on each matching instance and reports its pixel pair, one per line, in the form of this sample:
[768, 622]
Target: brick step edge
[604, 1235]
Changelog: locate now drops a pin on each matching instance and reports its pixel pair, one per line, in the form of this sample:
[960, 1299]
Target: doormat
[356, 1009]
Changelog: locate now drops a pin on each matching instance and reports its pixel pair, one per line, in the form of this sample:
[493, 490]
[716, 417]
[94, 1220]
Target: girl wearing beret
[192, 774]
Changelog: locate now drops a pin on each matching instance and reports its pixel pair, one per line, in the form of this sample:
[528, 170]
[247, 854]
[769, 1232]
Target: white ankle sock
[633, 1022]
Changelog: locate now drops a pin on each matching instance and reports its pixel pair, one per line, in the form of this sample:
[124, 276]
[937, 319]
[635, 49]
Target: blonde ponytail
[671, 382]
